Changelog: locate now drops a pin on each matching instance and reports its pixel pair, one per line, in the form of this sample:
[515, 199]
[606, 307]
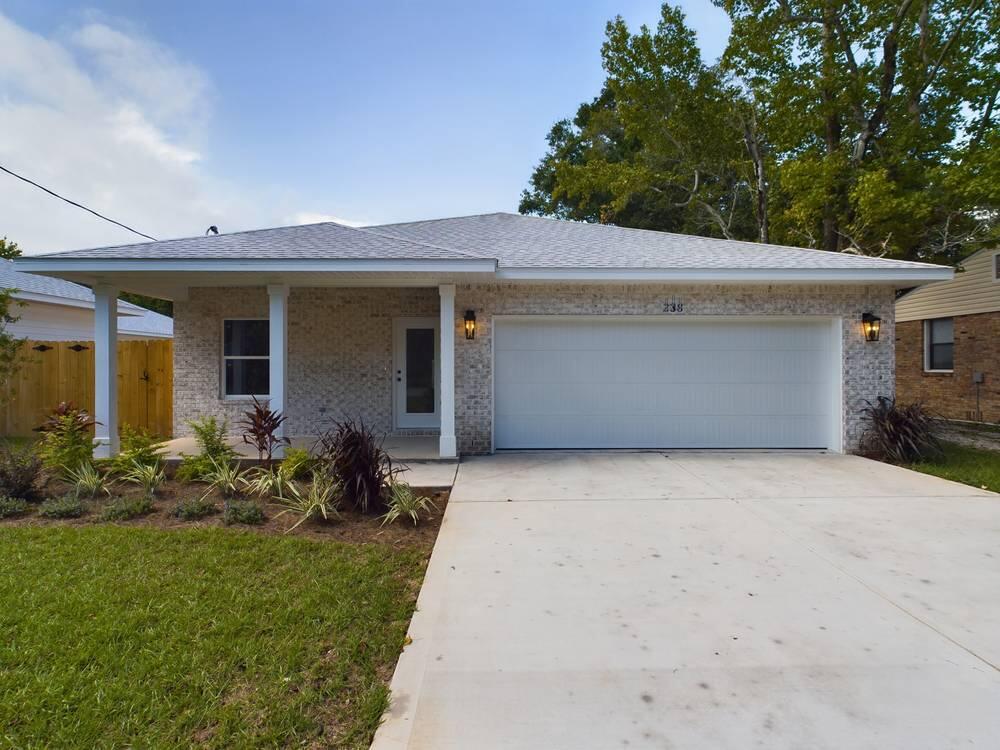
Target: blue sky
[185, 114]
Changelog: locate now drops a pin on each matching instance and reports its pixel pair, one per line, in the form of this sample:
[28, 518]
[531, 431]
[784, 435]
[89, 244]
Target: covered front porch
[318, 354]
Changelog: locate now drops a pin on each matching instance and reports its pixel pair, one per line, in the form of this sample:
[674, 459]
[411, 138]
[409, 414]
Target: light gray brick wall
[340, 343]
[339, 352]
[868, 368]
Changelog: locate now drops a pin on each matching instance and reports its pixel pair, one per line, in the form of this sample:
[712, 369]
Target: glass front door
[415, 373]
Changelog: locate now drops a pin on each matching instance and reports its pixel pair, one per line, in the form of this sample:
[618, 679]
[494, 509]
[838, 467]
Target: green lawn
[115, 637]
[974, 466]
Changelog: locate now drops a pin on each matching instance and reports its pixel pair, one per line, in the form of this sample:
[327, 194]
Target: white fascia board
[152, 265]
[919, 275]
[125, 309]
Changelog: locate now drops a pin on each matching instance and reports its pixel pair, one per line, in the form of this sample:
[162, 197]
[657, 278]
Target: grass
[131, 637]
[972, 466]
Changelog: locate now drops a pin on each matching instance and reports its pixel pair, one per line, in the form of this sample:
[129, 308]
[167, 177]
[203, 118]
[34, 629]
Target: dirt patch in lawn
[349, 527]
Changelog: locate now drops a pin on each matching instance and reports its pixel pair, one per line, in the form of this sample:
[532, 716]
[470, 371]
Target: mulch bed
[350, 527]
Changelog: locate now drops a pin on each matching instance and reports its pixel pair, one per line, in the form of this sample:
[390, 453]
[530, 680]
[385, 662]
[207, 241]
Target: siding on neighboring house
[974, 290]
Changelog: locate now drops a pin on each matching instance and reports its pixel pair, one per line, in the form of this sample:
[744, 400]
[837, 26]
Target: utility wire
[74, 203]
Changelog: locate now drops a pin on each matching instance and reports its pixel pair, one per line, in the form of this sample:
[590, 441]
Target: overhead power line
[74, 203]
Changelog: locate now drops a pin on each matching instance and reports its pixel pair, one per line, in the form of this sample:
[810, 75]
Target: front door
[416, 400]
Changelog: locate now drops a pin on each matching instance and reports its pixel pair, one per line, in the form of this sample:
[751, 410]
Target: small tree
[10, 346]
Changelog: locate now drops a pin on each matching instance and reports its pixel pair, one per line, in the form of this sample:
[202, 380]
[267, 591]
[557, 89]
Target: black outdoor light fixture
[470, 324]
[871, 324]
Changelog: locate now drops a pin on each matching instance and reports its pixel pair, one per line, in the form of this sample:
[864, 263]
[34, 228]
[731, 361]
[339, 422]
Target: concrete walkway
[704, 601]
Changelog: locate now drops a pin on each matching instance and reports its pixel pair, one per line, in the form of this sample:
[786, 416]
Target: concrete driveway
[700, 600]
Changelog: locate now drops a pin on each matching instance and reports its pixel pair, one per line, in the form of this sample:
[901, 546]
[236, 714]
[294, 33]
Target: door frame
[401, 420]
[835, 355]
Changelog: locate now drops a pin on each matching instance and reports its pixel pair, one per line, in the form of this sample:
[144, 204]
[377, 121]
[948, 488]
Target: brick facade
[953, 394]
[340, 343]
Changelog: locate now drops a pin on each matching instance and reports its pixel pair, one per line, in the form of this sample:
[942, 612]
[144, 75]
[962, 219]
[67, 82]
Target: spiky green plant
[226, 477]
[319, 499]
[87, 481]
[267, 483]
[403, 502]
[149, 476]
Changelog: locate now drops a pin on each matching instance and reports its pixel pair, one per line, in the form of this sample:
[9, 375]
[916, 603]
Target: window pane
[420, 371]
[942, 357]
[247, 377]
[246, 338]
[942, 331]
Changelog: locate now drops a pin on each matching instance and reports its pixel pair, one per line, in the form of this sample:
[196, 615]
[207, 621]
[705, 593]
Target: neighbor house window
[996, 267]
[939, 339]
[245, 361]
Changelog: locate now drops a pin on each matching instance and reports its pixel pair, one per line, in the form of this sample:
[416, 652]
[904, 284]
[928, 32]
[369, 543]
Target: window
[939, 340]
[245, 363]
[996, 267]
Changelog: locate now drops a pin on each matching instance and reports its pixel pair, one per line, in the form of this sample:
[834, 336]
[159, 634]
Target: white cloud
[113, 120]
[311, 217]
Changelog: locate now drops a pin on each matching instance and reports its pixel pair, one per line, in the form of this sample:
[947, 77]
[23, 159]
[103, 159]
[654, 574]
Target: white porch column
[278, 349]
[105, 370]
[447, 447]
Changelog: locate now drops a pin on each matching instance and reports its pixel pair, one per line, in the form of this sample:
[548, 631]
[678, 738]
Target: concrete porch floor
[418, 453]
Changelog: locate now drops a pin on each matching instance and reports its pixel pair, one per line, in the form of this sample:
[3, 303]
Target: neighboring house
[948, 342]
[57, 310]
[503, 331]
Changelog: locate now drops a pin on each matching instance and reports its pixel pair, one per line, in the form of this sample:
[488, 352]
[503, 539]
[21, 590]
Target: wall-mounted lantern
[470, 324]
[871, 324]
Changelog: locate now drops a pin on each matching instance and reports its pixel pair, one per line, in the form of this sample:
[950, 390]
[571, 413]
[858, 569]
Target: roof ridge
[440, 218]
[464, 254]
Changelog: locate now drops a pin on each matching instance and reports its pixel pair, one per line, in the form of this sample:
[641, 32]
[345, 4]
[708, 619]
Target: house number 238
[673, 306]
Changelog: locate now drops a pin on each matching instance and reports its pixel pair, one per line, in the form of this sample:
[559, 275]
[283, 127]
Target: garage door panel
[586, 383]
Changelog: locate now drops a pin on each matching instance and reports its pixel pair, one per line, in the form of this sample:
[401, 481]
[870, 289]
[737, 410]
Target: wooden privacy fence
[54, 371]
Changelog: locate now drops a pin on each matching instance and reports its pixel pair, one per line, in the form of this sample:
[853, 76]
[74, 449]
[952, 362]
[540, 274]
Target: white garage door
[610, 382]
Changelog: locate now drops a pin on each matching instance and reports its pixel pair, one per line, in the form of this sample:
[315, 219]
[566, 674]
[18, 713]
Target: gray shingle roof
[146, 322]
[52, 287]
[512, 240]
[518, 241]
[302, 242]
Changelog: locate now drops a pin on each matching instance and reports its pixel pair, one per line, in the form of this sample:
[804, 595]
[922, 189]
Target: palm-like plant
[353, 456]
[260, 429]
[901, 434]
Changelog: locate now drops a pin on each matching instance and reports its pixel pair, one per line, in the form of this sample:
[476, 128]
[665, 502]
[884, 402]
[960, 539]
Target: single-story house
[499, 331]
[51, 309]
[948, 342]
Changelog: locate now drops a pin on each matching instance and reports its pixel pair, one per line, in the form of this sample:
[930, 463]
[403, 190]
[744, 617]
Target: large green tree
[867, 126]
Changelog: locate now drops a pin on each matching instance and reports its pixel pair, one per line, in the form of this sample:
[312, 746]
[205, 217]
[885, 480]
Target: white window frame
[225, 357]
[927, 344]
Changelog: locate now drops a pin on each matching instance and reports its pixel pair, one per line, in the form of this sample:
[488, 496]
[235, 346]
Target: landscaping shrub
[210, 435]
[87, 481]
[148, 476]
[403, 502]
[900, 434]
[266, 483]
[126, 508]
[137, 447]
[297, 463]
[352, 455]
[12, 506]
[226, 477]
[20, 472]
[67, 506]
[194, 508]
[67, 440]
[318, 500]
[260, 426]
[243, 511]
